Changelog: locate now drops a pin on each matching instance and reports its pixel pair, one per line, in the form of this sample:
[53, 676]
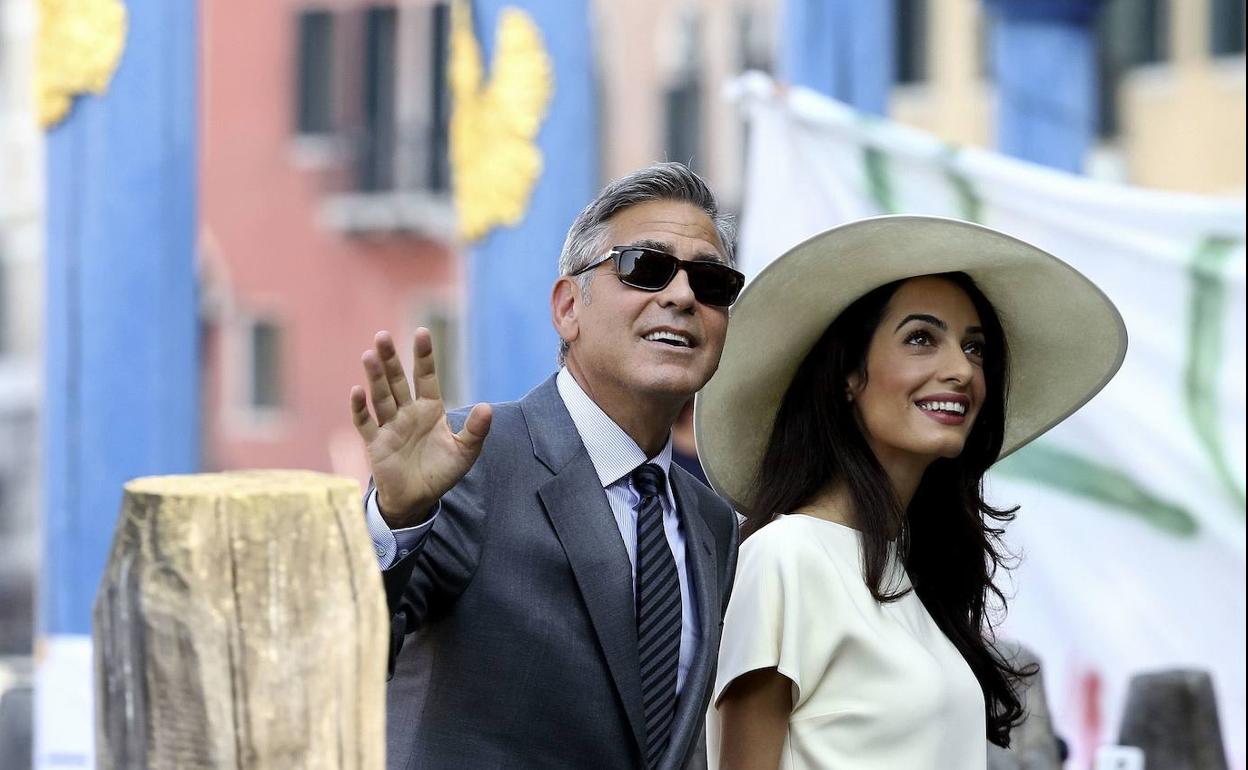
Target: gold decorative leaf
[77, 48]
[495, 159]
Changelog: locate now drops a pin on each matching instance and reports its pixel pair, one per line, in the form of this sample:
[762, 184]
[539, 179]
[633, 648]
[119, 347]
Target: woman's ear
[565, 306]
[853, 385]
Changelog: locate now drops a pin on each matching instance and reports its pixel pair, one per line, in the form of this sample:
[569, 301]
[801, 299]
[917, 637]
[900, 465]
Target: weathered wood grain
[241, 623]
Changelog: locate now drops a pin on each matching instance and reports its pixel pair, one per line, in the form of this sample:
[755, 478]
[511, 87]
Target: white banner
[64, 703]
[1131, 527]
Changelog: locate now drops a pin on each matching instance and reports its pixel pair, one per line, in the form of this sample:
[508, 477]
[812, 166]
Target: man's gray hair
[587, 238]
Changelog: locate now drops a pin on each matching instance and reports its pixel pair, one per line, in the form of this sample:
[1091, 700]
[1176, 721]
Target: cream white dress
[875, 686]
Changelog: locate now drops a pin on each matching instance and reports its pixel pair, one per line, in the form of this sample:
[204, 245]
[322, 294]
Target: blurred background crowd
[323, 205]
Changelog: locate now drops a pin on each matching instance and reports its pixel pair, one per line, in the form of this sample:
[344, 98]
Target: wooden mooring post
[1173, 717]
[241, 623]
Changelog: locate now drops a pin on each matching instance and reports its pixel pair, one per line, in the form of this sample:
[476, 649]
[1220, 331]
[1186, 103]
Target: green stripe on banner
[878, 182]
[1049, 466]
[970, 205]
[1204, 355]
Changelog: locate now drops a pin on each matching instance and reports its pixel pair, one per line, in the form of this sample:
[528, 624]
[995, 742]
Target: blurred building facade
[325, 216]
[1171, 82]
[325, 181]
[664, 67]
[1170, 79]
[21, 306]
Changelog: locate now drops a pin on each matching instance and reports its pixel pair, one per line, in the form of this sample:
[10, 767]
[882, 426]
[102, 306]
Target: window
[683, 99]
[314, 111]
[1226, 27]
[390, 120]
[376, 169]
[6, 303]
[265, 381]
[983, 45]
[1129, 33]
[910, 30]
[440, 101]
[8, 507]
[442, 322]
[753, 46]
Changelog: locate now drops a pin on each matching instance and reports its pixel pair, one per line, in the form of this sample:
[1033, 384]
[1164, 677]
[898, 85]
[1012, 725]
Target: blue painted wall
[512, 345]
[122, 389]
[1044, 60]
[1043, 54]
[842, 48]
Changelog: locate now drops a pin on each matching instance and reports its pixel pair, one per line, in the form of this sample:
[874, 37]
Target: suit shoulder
[714, 509]
[706, 496]
[506, 421]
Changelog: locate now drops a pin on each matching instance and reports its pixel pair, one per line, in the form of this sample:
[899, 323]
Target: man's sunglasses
[713, 283]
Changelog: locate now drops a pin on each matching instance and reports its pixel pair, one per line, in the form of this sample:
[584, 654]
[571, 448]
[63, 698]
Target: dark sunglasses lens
[650, 270]
[714, 284]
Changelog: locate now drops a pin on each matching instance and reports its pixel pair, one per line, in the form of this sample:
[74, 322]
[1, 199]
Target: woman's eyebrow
[974, 330]
[931, 319]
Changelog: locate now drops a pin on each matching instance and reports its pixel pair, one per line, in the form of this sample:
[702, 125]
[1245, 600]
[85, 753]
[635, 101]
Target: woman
[863, 393]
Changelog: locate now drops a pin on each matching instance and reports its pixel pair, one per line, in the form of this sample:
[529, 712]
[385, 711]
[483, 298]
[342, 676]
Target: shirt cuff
[393, 545]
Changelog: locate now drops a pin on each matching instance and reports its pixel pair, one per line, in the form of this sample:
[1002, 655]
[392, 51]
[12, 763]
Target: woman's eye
[918, 338]
[974, 349]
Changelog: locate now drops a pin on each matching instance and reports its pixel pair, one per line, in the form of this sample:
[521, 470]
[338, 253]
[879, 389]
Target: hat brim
[1066, 339]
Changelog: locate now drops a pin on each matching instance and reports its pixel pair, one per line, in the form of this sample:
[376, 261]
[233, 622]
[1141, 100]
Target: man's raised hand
[414, 456]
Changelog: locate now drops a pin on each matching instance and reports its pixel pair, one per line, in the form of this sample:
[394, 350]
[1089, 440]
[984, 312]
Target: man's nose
[678, 293]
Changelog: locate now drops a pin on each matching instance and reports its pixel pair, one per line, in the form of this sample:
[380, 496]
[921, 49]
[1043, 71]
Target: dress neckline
[822, 520]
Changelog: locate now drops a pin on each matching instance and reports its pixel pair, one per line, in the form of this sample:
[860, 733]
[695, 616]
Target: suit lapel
[701, 562]
[581, 517]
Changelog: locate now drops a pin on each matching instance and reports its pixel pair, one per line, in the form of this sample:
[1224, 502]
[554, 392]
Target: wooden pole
[241, 623]
[1173, 717]
[1033, 745]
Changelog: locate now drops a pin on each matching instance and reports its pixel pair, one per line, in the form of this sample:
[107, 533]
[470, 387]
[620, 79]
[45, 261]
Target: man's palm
[414, 456]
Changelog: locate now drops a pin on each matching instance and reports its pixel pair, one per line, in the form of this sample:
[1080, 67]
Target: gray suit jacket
[514, 641]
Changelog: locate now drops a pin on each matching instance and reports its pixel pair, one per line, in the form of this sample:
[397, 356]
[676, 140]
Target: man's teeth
[943, 406]
[669, 337]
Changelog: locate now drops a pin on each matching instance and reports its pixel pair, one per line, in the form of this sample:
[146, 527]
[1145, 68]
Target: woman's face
[924, 382]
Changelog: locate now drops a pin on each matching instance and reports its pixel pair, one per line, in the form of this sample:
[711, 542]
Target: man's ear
[565, 307]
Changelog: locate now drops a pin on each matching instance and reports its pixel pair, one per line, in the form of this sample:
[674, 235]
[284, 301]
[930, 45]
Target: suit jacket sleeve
[438, 570]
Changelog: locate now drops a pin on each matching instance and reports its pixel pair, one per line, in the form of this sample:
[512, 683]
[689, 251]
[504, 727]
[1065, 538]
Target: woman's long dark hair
[949, 538]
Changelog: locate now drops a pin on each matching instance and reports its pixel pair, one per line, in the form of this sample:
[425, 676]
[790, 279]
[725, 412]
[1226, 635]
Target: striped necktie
[658, 613]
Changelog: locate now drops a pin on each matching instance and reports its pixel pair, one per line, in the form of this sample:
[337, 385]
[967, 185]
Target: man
[557, 583]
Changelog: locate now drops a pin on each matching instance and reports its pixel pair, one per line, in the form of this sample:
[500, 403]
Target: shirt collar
[612, 451]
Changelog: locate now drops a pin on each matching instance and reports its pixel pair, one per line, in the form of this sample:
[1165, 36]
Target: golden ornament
[495, 159]
[77, 48]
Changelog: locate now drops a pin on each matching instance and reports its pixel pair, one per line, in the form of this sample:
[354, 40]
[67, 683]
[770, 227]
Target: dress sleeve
[765, 624]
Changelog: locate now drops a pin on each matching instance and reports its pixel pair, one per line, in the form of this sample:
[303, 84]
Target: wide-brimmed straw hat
[1066, 339]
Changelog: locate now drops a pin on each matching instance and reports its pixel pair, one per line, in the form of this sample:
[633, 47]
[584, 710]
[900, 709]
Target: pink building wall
[265, 252]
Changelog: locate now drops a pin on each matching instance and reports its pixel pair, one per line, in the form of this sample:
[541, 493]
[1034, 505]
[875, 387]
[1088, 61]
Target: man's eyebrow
[924, 317]
[701, 256]
[709, 256]
[647, 243]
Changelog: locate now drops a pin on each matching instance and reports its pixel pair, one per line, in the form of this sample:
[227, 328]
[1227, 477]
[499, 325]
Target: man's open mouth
[670, 338]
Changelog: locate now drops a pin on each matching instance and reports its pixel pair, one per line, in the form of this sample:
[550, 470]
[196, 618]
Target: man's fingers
[422, 366]
[393, 368]
[475, 428]
[365, 425]
[378, 387]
